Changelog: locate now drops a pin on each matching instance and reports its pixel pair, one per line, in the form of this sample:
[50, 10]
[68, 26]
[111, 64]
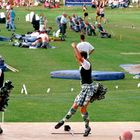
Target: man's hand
[73, 45]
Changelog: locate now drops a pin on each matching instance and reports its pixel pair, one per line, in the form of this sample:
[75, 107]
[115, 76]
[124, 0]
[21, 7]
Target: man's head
[99, 25]
[84, 54]
[74, 15]
[64, 14]
[87, 23]
[82, 37]
[127, 135]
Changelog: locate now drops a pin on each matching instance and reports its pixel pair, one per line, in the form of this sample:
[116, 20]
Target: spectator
[58, 19]
[103, 32]
[97, 12]
[12, 18]
[63, 23]
[94, 3]
[42, 41]
[8, 6]
[42, 22]
[90, 29]
[71, 23]
[46, 4]
[7, 19]
[35, 22]
[102, 14]
[74, 17]
[84, 8]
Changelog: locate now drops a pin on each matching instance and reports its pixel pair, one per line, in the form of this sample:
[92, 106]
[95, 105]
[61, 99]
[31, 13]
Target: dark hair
[84, 54]
[82, 37]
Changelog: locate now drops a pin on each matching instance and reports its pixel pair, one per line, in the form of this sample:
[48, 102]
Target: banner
[77, 2]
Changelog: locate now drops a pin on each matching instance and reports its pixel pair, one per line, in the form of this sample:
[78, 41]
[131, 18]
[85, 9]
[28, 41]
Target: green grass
[122, 104]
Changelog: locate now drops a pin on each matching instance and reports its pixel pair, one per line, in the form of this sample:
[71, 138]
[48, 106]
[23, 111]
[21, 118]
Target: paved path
[46, 131]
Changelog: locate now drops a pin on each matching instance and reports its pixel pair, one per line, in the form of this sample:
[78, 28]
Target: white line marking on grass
[127, 26]
[131, 53]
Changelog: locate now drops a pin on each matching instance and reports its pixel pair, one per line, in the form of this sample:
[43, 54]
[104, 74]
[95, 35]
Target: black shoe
[87, 132]
[1, 131]
[59, 124]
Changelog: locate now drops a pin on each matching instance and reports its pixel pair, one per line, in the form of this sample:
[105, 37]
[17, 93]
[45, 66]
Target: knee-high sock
[86, 119]
[69, 114]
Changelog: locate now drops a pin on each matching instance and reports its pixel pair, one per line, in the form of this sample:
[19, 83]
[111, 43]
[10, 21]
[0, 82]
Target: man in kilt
[83, 98]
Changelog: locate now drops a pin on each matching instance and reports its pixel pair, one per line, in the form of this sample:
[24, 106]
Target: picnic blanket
[131, 68]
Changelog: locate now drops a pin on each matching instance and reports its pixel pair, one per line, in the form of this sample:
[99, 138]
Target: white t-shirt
[63, 20]
[8, 7]
[85, 46]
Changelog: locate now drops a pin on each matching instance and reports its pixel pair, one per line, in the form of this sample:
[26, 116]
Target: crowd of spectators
[30, 3]
[77, 24]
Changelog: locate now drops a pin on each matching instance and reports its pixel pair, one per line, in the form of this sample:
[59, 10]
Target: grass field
[122, 104]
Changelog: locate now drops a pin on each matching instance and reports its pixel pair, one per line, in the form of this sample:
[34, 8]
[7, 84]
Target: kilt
[85, 94]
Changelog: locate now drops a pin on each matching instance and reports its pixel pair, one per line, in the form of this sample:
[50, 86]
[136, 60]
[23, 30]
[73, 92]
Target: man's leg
[63, 32]
[85, 117]
[70, 113]
[12, 24]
